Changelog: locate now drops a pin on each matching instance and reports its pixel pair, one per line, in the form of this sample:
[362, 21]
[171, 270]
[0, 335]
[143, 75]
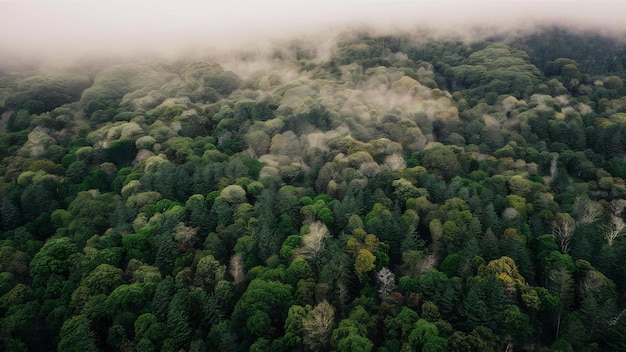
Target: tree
[516, 323]
[103, 279]
[616, 224]
[76, 335]
[425, 337]
[126, 301]
[505, 269]
[147, 326]
[298, 270]
[484, 304]
[267, 243]
[313, 242]
[588, 210]
[614, 229]
[561, 285]
[294, 331]
[563, 227]
[208, 272]
[351, 334]
[178, 319]
[354, 343]
[442, 161]
[197, 213]
[395, 162]
[317, 325]
[122, 152]
[54, 258]
[400, 326]
[258, 142]
[480, 339]
[386, 282]
[9, 214]
[236, 269]
[233, 194]
[364, 263]
[262, 307]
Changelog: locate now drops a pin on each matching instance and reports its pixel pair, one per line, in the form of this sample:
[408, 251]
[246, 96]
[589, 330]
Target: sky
[58, 28]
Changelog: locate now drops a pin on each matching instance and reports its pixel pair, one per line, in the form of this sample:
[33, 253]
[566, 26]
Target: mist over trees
[392, 193]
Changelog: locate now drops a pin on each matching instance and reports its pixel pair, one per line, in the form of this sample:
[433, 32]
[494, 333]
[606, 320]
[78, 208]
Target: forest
[399, 192]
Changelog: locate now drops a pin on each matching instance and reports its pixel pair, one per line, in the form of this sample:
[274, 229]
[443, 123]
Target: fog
[56, 30]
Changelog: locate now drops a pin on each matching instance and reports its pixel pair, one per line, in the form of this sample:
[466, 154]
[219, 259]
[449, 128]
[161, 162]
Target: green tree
[516, 323]
[267, 243]
[103, 279]
[425, 337]
[76, 335]
[351, 334]
[56, 257]
[441, 160]
[268, 303]
[561, 285]
[163, 294]
[178, 319]
[197, 213]
[353, 343]
[208, 272]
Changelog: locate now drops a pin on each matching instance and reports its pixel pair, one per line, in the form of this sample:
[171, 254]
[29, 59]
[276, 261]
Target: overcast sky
[59, 27]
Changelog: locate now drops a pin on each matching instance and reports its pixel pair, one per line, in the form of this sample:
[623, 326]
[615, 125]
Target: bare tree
[511, 214]
[617, 206]
[588, 210]
[614, 229]
[235, 268]
[395, 162]
[554, 170]
[428, 262]
[616, 318]
[590, 282]
[185, 236]
[313, 242]
[563, 227]
[553, 166]
[317, 326]
[616, 226]
[386, 282]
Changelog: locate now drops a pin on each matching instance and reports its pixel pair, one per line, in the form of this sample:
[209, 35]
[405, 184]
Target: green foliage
[43, 93]
[19, 121]
[180, 206]
[264, 301]
[54, 258]
[122, 152]
[441, 161]
[76, 335]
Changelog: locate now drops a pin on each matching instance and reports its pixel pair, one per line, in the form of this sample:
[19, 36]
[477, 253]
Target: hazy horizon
[58, 30]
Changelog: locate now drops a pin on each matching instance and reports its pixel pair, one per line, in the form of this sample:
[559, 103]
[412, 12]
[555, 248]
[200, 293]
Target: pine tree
[178, 319]
[166, 254]
[163, 294]
[267, 243]
[76, 335]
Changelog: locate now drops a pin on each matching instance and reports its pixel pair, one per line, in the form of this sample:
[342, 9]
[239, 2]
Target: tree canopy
[393, 194]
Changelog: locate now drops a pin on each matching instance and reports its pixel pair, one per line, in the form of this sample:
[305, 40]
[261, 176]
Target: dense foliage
[403, 194]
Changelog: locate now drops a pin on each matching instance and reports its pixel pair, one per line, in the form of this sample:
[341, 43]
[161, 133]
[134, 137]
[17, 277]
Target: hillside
[386, 192]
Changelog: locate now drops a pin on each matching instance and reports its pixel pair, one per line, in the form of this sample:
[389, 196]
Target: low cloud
[31, 31]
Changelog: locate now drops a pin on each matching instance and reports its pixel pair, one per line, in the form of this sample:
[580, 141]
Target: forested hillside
[393, 193]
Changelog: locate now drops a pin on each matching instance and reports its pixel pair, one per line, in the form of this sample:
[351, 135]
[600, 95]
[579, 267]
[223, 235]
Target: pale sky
[61, 27]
